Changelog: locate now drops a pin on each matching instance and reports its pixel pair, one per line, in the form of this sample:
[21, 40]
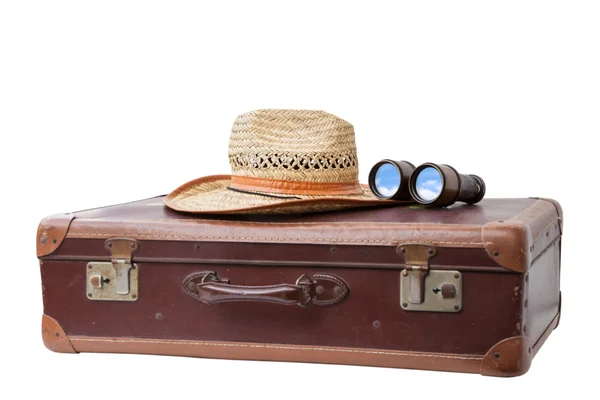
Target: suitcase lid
[505, 233]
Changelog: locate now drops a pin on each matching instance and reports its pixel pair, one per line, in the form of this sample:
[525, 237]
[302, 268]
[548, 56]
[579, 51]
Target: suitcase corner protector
[54, 337]
[508, 358]
[507, 243]
[51, 232]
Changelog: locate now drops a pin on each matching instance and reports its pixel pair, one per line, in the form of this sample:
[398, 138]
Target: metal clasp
[424, 289]
[116, 280]
[416, 277]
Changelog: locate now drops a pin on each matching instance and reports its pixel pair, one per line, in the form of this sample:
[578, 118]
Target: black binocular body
[436, 185]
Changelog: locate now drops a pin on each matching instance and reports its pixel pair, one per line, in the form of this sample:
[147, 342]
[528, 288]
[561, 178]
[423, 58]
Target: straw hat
[282, 161]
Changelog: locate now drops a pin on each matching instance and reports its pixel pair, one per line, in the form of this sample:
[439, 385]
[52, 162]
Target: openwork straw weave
[287, 145]
[296, 145]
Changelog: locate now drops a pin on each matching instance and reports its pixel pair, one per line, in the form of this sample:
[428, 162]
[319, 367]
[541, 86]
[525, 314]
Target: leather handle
[214, 293]
[320, 290]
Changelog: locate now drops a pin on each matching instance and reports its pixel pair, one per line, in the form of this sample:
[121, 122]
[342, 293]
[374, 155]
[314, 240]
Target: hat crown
[293, 145]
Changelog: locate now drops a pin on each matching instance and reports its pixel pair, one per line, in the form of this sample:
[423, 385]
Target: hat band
[295, 187]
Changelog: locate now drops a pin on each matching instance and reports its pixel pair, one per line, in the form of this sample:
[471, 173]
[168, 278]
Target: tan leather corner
[510, 357]
[507, 243]
[51, 232]
[54, 336]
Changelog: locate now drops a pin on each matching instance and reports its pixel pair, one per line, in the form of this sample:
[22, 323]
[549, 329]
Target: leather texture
[516, 242]
[542, 292]
[369, 317]
[51, 233]
[320, 290]
[508, 243]
[54, 336]
[215, 293]
[457, 226]
[553, 325]
[490, 364]
[510, 357]
[281, 352]
[512, 295]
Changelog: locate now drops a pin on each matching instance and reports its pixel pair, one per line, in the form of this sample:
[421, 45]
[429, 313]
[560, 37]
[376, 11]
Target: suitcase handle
[320, 290]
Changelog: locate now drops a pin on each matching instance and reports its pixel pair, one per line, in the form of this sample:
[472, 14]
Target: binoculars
[430, 184]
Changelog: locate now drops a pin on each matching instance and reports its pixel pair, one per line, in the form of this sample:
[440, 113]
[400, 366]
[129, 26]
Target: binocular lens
[436, 185]
[387, 180]
[429, 184]
[440, 185]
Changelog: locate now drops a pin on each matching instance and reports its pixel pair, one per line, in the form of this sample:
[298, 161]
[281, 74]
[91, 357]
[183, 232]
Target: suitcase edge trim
[281, 352]
[516, 363]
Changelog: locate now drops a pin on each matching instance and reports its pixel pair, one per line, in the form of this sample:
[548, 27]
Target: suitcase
[466, 288]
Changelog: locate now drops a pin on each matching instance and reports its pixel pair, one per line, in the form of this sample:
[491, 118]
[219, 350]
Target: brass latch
[425, 289]
[416, 281]
[116, 280]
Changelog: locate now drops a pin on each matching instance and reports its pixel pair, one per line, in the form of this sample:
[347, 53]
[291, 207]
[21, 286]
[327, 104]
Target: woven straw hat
[282, 161]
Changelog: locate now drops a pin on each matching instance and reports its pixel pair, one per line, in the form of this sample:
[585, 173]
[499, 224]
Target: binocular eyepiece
[389, 179]
[436, 185]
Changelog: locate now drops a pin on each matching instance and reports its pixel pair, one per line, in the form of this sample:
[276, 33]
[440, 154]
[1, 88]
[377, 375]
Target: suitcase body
[467, 288]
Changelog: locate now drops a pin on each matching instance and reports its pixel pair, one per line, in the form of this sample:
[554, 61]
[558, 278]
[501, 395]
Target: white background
[106, 102]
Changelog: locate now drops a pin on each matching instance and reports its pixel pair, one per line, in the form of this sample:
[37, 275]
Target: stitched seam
[544, 228]
[527, 209]
[278, 239]
[217, 222]
[336, 280]
[265, 346]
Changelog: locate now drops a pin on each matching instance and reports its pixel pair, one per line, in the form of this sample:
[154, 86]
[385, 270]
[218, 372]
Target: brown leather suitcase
[467, 288]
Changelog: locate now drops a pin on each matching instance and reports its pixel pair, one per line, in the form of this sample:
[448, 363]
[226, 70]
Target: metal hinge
[116, 280]
[424, 289]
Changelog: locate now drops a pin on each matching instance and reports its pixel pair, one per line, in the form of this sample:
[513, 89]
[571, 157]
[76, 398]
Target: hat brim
[211, 195]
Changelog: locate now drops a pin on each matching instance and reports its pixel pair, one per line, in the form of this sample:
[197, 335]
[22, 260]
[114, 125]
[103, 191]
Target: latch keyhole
[448, 291]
